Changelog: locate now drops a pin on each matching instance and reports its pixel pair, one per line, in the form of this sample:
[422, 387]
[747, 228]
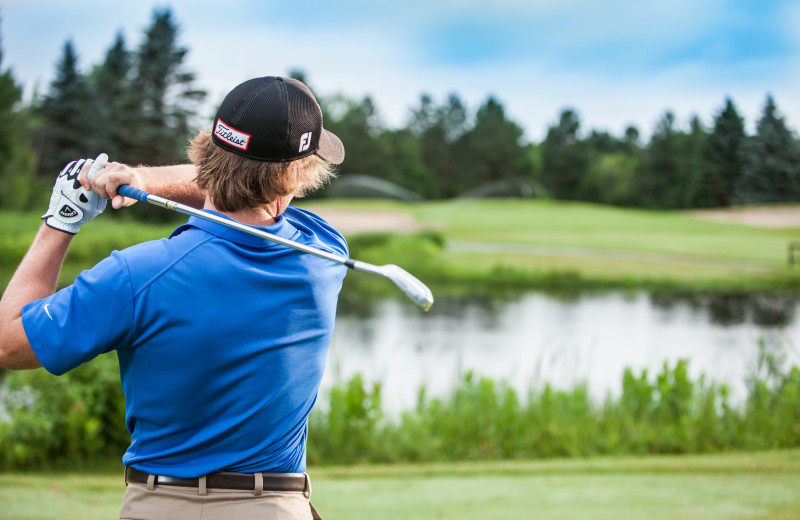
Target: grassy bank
[742, 486]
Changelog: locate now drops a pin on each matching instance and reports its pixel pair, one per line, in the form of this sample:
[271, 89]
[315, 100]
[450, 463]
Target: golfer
[221, 336]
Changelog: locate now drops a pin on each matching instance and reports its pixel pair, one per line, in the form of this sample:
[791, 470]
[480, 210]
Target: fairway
[734, 486]
[535, 238]
[595, 241]
[576, 224]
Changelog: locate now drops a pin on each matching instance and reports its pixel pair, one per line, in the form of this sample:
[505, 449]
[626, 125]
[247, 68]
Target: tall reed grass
[667, 412]
[78, 419]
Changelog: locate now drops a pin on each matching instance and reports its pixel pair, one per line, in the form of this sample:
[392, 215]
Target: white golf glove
[71, 206]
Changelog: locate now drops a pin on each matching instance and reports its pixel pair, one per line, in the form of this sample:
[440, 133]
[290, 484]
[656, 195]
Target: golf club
[419, 293]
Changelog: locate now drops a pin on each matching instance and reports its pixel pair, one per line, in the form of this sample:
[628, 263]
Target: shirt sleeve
[92, 316]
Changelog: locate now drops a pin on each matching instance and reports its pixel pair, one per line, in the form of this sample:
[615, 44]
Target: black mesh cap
[274, 119]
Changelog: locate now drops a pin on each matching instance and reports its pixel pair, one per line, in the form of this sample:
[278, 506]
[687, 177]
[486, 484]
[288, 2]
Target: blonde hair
[235, 182]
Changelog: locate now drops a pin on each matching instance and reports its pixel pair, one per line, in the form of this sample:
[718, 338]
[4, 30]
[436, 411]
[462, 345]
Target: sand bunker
[762, 216]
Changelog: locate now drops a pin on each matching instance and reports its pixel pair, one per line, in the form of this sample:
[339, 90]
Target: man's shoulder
[147, 259]
[144, 251]
[317, 229]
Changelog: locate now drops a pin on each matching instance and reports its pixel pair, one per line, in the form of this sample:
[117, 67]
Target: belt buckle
[307, 486]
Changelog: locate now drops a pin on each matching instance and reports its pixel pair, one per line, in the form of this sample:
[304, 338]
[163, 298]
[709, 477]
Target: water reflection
[776, 309]
[526, 339]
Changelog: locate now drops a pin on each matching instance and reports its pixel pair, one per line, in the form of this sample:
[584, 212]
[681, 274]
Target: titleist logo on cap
[231, 135]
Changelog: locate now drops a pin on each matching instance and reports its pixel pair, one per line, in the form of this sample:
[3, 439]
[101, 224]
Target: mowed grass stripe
[586, 253]
[601, 497]
[602, 227]
[741, 486]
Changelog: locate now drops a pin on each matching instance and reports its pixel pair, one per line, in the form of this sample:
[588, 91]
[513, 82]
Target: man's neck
[265, 215]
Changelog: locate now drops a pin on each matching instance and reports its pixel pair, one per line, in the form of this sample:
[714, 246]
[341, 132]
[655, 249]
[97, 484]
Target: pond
[525, 340]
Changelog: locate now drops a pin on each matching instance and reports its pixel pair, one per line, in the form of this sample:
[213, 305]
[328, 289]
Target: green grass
[534, 239]
[732, 486]
[519, 240]
[604, 227]
[93, 243]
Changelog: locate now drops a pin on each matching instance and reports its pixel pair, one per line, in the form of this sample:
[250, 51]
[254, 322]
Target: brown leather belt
[280, 482]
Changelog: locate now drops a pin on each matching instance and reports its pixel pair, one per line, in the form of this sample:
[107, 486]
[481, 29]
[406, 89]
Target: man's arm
[37, 275]
[171, 182]
[35, 278]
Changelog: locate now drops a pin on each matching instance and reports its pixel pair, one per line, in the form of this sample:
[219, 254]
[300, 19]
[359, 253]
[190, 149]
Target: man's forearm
[173, 182]
[35, 278]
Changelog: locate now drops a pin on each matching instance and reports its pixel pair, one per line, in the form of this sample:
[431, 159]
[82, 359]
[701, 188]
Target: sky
[616, 62]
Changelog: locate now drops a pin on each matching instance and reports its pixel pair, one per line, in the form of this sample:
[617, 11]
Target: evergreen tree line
[444, 153]
[141, 106]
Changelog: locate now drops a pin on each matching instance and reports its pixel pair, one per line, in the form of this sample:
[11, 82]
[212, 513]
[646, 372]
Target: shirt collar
[282, 228]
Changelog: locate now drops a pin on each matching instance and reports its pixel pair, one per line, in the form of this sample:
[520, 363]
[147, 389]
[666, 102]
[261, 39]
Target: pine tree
[631, 139]
[67, 117]
[771, 161]
[117, 112]
[670, 164]
[438, 129]
[492, 150]
[691, 163]
[16, 152]
[565, 158]
[721, 160]
[404, 164]
[658, 172]
[358, 125]
[166, 96]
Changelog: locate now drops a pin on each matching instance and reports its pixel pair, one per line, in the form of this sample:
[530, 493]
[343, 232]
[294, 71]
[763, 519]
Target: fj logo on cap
[231, 136]
[305, 142]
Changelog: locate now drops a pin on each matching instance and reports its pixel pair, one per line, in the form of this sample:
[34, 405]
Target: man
[221, 337]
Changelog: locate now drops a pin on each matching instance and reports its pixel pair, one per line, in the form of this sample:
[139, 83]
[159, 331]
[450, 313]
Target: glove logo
[68, 211]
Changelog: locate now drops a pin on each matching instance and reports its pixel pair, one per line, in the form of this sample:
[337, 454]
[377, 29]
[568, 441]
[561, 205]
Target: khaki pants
[178, 503]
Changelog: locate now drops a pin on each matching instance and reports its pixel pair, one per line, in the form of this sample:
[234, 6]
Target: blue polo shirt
[221, 338]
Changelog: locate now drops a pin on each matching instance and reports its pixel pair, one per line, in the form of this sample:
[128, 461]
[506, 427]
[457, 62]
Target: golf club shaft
[410, 285]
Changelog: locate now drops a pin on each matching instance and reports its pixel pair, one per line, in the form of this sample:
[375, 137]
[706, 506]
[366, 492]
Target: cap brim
[330, 148]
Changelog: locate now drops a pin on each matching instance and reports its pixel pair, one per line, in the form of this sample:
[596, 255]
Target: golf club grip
[132, 193]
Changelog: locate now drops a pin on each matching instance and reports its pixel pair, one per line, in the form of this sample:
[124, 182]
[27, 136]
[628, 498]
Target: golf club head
[410, 285]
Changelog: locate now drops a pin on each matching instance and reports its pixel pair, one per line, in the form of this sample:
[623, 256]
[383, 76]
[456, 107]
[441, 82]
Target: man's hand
[71, 205]
[109, 178]
[176, 182]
